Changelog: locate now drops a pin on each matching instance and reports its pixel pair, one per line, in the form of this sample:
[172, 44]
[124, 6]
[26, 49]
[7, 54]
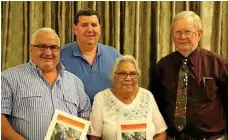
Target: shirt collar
[192, 58]
[77, 51]
[59, 67]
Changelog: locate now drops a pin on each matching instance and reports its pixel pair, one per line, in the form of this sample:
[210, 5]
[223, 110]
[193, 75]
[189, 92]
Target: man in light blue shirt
[86, 58]
[31, 92]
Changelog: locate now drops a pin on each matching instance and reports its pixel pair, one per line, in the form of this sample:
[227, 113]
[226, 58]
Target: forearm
[8, 132]
[94, 138]
[160, 136]
[85, 118]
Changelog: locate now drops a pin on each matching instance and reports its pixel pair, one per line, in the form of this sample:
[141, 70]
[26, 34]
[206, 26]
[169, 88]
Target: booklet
[65, 126]
[132, 130]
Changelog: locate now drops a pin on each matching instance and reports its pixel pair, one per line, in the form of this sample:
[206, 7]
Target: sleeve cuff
[84, 114]
[6, 111]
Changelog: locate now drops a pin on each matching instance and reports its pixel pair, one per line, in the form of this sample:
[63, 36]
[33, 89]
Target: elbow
[160, 136]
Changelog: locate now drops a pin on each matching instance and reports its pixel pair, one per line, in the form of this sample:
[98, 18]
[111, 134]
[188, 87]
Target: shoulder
[71, 78]
[100, 95]
[212, 55]
[17, 70]
[167, 60]
[107, 49]
[16, 75]
[214, 61]
[67, 46]
[70, 75]
[146, 93]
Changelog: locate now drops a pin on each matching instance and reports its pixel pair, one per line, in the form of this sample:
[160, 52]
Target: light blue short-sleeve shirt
[29, 102]
[94, 77]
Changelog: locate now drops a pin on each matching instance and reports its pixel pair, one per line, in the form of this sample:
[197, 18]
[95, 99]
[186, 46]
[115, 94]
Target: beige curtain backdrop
[141, 29]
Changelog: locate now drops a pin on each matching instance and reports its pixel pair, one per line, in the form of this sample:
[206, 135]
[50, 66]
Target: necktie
[181, 102]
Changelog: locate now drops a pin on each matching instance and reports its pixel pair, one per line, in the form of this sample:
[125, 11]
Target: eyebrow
[126, 71]
[88, 22]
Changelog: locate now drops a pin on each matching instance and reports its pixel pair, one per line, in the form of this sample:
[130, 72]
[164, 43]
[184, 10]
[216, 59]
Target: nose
[182, 35]
[89, 28]
[48, 51]
[128, 77]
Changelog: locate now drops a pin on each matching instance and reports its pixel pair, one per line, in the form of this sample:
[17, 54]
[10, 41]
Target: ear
[75, 29]
[113, 80]
[101, 26]
[200, 33]
[30, 49]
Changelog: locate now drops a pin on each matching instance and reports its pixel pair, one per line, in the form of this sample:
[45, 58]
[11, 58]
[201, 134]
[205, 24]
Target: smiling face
[186, 43]
[127, 84]
[88, 30]
[46, 60]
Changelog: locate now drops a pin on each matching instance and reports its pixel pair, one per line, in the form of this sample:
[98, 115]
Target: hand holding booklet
[65, 126]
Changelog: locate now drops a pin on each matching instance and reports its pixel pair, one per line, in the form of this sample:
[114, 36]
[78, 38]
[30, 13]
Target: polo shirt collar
[77, 51]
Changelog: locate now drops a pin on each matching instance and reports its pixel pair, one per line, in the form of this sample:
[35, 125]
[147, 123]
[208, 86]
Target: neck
[87, 49]
[89, 52]
[185, 54]
[50, 76]
[188, 52]
[126, 97]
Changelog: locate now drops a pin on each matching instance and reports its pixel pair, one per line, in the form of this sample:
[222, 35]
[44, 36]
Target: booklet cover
[65, 126]
[132, 130]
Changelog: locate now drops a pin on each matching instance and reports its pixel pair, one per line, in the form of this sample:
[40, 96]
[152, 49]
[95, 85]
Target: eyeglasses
[44, 47]
[186, 33]
[123, 75]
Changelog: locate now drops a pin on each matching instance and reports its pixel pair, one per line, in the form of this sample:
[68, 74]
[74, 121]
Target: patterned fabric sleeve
[84, 101]
[157, 118]
[6, 94]
[96, 117]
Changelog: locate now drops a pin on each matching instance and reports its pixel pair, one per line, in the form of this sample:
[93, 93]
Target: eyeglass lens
[123, 75]
[44, 47]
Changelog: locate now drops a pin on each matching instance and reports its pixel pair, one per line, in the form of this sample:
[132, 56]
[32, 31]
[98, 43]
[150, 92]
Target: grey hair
[186, 14]
[43, 30]
[124, 58]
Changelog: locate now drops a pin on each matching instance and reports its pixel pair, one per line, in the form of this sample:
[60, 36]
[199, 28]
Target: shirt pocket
[72, 104]
[29, 99]
[210, 88]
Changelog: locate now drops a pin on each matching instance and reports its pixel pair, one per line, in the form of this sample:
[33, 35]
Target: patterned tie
[180, 112]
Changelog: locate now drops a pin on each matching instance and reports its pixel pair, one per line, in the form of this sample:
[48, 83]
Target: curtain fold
[139, 28]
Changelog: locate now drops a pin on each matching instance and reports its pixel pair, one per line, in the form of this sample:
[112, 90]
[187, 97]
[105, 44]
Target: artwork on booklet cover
[65, 126]
[132, 130]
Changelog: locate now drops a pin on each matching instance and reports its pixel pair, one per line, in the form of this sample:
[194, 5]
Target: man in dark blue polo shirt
[86, 58]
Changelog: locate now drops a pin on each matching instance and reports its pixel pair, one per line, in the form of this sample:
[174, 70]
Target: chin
[128, 88]
[184, 48]
[49, 69]
[91, 42]
[48, 66]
